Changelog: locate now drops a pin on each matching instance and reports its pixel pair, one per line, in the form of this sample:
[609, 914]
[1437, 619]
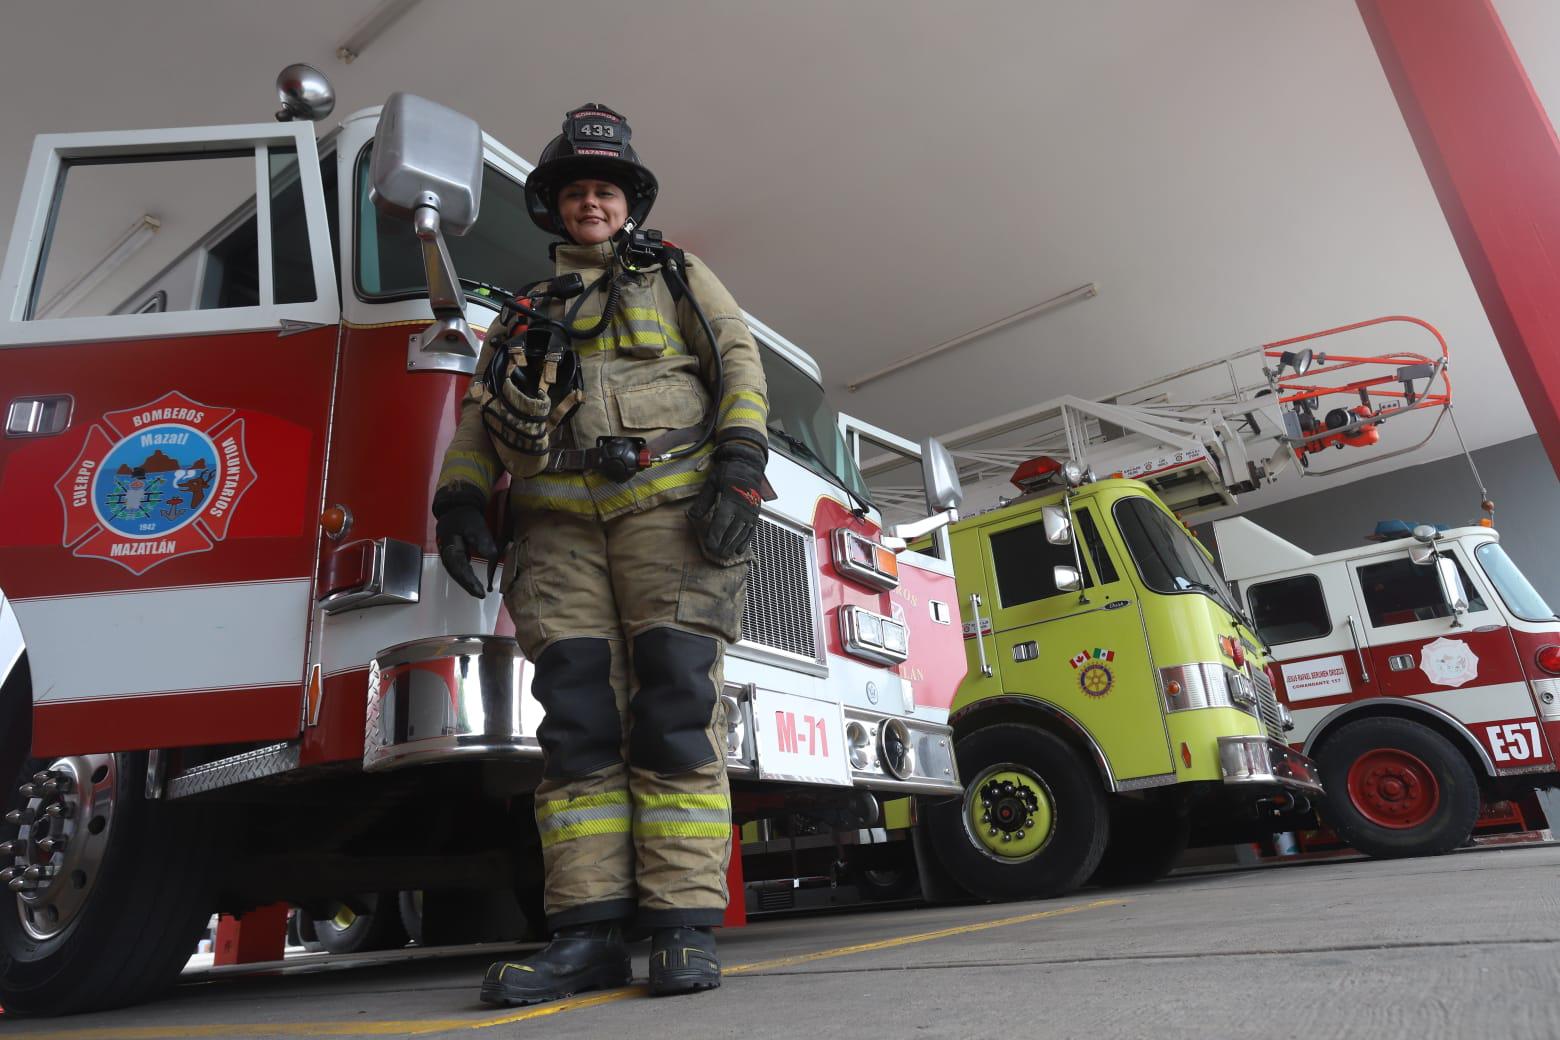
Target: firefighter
[625, 580]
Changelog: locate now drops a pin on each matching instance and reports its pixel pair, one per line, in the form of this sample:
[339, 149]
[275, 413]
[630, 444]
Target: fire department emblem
[1448, 662]
[1094, 675]
[154, 483]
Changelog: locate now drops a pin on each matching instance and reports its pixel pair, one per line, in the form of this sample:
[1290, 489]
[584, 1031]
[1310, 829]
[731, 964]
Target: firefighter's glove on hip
[726, 512]
[462, 531]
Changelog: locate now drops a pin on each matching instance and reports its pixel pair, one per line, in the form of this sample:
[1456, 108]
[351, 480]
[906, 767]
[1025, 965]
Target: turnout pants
[627, 625]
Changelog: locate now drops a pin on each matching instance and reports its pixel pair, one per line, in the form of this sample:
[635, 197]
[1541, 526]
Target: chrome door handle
[1354, 634]
[38, 416]
[980, 639]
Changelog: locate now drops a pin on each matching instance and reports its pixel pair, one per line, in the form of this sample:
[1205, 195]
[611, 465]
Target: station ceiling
[876, 177]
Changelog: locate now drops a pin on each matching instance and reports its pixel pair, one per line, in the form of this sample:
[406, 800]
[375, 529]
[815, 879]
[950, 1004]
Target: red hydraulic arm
[1494, 161]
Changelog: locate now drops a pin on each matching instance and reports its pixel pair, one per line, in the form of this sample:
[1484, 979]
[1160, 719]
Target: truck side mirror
[1058, 527]
[1066, 579]
[427, 167]
[1452, 589]
[1424, 555]
[940, 476]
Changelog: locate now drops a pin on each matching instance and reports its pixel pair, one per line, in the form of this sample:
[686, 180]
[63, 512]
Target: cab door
[1087, 653]
[166, 392]
[1313, 624]
[1466, 665]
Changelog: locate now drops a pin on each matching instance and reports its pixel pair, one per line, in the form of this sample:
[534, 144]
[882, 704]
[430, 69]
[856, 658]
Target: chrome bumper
[1263, 760]
[458, 698]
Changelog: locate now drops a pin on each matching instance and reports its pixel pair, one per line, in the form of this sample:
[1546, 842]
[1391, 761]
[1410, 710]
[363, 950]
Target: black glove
[726, 511]
[462, 530]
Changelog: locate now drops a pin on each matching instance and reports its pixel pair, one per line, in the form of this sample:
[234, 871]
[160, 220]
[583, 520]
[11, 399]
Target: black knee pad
[675, 702]
[581, 732]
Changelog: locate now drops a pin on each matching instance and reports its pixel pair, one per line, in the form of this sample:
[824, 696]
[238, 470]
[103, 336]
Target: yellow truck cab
[1116, 701]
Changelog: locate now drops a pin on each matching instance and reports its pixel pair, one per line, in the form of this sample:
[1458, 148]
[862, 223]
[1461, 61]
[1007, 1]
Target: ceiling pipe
[1083, 292]
[371, 28]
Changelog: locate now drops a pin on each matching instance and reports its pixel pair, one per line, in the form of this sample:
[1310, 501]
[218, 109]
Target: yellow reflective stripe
[583, 829]
[585, 801]
[476, 467]
[683, 801]
[682, 830]
[752, 396]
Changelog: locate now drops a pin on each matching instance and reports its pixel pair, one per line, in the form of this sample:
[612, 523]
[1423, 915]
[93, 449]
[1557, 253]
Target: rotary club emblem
[155, 483]
[1094, 675]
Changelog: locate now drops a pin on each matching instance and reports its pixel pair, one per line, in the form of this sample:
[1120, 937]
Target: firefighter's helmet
[594, 145]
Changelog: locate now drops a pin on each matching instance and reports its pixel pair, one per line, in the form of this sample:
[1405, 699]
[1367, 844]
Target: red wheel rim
[1392, 788]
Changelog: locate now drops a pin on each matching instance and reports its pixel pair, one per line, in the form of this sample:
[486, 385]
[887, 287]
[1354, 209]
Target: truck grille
[1267, 704]
[779, 609]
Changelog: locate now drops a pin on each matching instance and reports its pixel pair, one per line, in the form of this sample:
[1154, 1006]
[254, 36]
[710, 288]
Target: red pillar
[260, 935]
[1494, 162]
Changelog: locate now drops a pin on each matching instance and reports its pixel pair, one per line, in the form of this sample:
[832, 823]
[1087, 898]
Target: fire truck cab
[1421, 672]
[247, 677]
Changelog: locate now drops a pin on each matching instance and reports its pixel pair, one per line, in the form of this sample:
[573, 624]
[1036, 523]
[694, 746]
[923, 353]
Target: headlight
[872, 636]
[894, 637]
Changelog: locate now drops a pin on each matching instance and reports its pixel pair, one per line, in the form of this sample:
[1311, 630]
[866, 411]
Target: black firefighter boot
[682, 960]
[590, 956]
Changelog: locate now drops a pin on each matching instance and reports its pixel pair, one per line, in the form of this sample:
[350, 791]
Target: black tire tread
[1074, 853]
[1459, 788]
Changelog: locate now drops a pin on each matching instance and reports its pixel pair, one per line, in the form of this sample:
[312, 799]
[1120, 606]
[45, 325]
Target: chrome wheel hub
[63, 826]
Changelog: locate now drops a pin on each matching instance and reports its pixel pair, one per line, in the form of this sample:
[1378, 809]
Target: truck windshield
[1167, 558]
[1519, 595]
[503, 248]
[804, 427]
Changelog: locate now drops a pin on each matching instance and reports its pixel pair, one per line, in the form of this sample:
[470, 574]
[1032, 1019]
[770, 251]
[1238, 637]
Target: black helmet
[594, 145]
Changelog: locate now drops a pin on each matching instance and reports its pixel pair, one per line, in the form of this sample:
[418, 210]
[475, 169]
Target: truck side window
[1401, 591]
[122, 231]
[1024, 560]
[1289, 609]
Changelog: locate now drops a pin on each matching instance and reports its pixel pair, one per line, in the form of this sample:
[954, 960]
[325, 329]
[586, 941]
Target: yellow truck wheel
[1032, 822]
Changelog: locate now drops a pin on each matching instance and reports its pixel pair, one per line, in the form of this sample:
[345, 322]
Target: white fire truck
[1422, 674]
[247, 678]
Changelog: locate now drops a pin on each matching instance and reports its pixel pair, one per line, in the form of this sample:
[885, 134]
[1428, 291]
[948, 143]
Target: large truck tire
[130, 898]
[1396, 788]
[1032, 823]
[1147, 838]
[351, 932]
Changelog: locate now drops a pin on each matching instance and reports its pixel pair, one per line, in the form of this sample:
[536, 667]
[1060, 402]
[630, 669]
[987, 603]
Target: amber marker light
[336, 521]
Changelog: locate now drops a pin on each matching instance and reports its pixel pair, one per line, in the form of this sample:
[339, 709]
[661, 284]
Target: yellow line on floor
[427, 1026]
[906, 940]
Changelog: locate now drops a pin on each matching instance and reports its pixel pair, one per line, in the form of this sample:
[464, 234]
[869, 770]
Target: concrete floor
[1465, 945]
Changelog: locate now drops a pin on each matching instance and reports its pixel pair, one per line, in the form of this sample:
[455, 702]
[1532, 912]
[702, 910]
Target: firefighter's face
[592, 211]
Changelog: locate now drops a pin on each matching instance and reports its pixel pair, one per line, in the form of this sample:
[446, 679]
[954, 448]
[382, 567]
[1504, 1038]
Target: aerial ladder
[1203, 435]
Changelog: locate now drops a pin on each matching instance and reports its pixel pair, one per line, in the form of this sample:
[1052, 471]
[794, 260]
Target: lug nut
[19, 817]
[27, 791]
[985, 818]
[7, 874]
[1019, 835]
[9, 848]
[19, 885]
[58, 810]
[49, 846]
[42, 777]
[54, 787]
[993, 832]
[1006, 838]
[1030, 822]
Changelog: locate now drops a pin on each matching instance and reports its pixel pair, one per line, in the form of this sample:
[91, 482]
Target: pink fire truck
[1421, 672]
[247, 679]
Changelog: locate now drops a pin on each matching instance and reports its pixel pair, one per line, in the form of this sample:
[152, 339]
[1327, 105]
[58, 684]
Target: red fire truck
[1421, 672]
[247, 678]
